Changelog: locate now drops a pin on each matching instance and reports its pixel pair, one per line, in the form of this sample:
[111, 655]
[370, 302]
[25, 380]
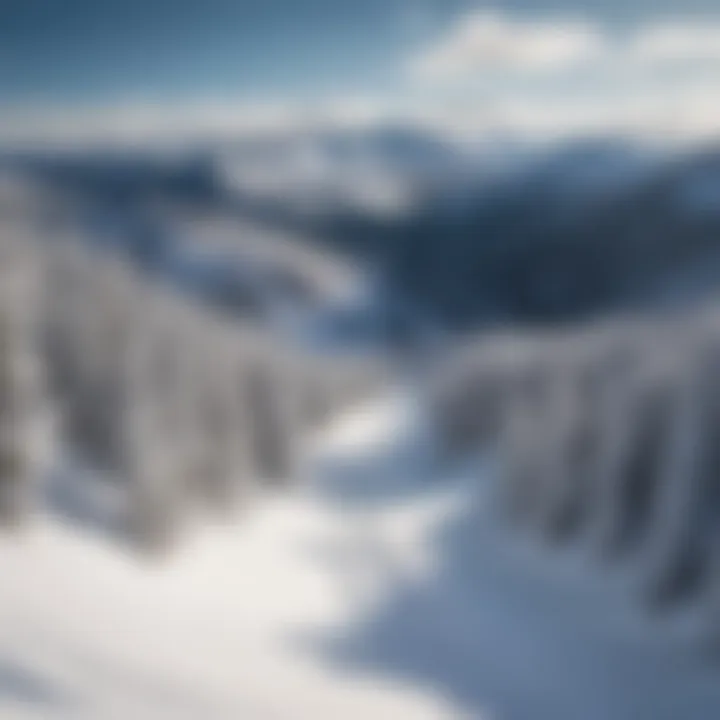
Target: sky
[148, 66]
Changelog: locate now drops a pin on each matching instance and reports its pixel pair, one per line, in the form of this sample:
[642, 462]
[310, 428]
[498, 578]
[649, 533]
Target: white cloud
[493, 72]
[135, 123]
[677, 43]
[486, 41]
[679, 110]
[686, 113]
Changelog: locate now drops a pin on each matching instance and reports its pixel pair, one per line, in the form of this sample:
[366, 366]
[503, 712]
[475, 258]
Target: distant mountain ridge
[497, 231]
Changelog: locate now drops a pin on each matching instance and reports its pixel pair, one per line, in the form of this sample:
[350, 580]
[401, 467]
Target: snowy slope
[377, 590]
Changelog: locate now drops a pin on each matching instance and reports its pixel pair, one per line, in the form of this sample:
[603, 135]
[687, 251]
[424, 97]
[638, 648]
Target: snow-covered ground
[380, 588]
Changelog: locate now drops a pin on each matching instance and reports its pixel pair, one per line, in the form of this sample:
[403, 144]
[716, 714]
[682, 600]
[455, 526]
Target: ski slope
[378, 588]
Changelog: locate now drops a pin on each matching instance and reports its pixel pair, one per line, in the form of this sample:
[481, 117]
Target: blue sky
[87, 49]
[85, 54]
